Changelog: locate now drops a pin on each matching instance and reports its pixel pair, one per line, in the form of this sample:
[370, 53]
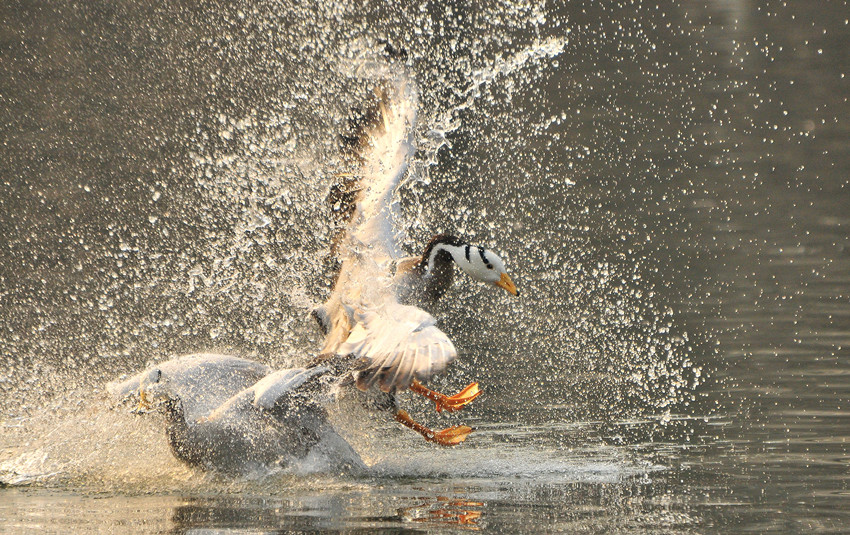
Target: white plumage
[399, 343]
[394, 343]
[224, 412]
[203, 381]
[218, 417]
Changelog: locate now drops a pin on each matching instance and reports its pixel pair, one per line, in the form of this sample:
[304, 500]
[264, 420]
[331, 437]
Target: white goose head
[154, 390]
[477, 262]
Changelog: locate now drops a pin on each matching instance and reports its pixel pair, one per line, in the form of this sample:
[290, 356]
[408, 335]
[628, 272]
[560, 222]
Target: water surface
[668, 184]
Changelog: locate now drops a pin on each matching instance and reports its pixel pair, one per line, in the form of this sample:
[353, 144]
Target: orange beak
[145, 404]
[507, 284]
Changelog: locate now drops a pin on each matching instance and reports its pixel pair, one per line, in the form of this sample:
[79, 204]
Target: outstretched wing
[284, 394]
[275, 387]
[396, 344]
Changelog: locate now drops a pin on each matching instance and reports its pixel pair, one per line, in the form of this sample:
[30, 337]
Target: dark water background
[670, 184]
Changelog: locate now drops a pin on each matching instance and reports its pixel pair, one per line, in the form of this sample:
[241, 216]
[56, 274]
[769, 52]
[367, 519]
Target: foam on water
[529, 464]
[97, 447]
[88, 444]
[114, 451]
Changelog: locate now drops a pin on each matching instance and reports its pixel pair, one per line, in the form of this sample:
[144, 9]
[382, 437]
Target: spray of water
[220, 243]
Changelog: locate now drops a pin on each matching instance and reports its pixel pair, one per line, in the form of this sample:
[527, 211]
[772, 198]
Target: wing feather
[398, 343]
[425, 371]
[405, 371]
[273, 388]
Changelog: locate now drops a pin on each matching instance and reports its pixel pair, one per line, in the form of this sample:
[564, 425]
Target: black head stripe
[444, 239]
[467, 252]
[484, 258]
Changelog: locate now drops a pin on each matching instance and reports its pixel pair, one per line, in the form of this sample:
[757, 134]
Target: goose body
[393, 343]
[275, 422]
[370, 315]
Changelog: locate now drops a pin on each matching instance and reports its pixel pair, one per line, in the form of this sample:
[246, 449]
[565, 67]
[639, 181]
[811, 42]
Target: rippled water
[668, 184]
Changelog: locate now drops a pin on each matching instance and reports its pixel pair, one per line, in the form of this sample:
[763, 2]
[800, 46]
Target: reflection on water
[387, 504]
[669, 183]
[444, 511]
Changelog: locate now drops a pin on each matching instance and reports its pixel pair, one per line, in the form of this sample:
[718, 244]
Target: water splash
[441, 126]
[219, 245]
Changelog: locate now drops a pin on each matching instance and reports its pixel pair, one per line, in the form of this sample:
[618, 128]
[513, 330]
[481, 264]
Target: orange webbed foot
[459, 400]
[451, 436]
[447, 437]
[448, 403]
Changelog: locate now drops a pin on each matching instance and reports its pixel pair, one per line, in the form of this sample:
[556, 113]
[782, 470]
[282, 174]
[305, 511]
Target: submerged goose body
[274, 422]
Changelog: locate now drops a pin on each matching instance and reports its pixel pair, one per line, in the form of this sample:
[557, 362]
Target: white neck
[458, 253]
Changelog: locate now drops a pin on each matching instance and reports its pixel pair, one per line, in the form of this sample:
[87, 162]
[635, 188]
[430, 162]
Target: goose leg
[447, 437]
[444, 402]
